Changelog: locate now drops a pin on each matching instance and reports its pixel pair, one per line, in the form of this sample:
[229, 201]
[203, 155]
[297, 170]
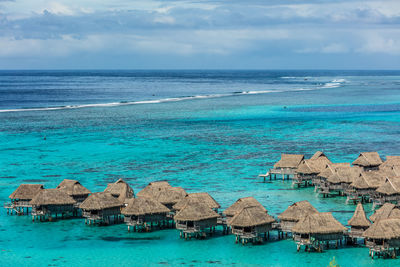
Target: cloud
[193, 29]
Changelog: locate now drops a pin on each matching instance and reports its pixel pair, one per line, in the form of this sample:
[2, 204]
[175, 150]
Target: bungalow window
[190, 224]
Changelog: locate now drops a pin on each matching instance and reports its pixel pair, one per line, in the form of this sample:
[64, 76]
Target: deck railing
[184, 227]
[91, 216]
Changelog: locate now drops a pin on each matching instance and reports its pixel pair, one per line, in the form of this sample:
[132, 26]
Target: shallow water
[216, 144]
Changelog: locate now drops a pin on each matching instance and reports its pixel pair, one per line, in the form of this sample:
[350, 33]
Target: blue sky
[224, 34]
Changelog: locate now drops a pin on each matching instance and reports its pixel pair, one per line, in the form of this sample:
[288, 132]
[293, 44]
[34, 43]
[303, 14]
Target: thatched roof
[313, 166]
[199, 197]
[368, 159]
[170, 195]
[289, 161]
[328, 171]
[242, 203]
[334, 178]
[360, 182]
[120, 189]
[251, 216]
[153, 188]
[384, 229]
[26, 191]
[388, 210]
[318, 154]
[318, 223]
[195, 211]
[359, 219]
[370, 179]
[349, 173]
[390, 162]
[390, 187]
[100, 201]
[52, 197]
[73, 188]
[297, 211]
[390, 170]
[143, 206]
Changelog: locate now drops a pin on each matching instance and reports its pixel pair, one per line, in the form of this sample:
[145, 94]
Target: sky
[221, 34]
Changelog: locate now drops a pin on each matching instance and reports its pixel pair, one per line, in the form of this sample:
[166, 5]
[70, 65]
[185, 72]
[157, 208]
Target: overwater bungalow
[153, 189]
[292, 215]
[144, 213]
[368, 161]
[21, 197]
[120, 189]
[320, 181]
[169, 196]
[389, 192]
[195, 219]
[286, 166]
[358, 224]
[101, 208]
[319, 155]
[199, 197]
[309, 169]
[332, 185]
[251, 223]
[387, 211]
[316, 229]
[364, 186]
[49, 202]
[240, 204]
[74, 189]
[338, 182]
[383, 238]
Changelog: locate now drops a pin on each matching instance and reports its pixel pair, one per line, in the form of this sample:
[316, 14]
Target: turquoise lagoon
[217, 144]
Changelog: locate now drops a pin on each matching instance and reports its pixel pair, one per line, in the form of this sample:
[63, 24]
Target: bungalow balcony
[245, 234]
[188, 228]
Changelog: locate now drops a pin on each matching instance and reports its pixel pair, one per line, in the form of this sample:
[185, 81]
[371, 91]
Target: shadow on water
[118, 239]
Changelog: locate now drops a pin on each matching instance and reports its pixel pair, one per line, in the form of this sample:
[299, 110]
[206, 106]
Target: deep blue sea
[211, 131]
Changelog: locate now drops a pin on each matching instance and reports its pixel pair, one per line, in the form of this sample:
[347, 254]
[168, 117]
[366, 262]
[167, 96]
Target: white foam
[155, 101]
[331, 85]
[339, 81]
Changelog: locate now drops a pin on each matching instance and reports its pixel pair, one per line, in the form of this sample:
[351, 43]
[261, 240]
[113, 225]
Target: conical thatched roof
[313, 166]
[390, 187]
[100, 201]
[318, 223]
[52, 197]
[251, 216]
[297, 211]
[199, 197]
[318, 154]
[328, 171]
[170, 195]
[26, 191]
[242, 203]
[289, 161]
[195, 211]
[120, 189]
[368, 159]
[359, 219]
[390, 162]
[73, 188]
[143, 206]
[388, 210]
[384, 229]
[360, 182]
[153, 188]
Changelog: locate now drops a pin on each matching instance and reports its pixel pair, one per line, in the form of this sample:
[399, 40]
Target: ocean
[212, 131]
